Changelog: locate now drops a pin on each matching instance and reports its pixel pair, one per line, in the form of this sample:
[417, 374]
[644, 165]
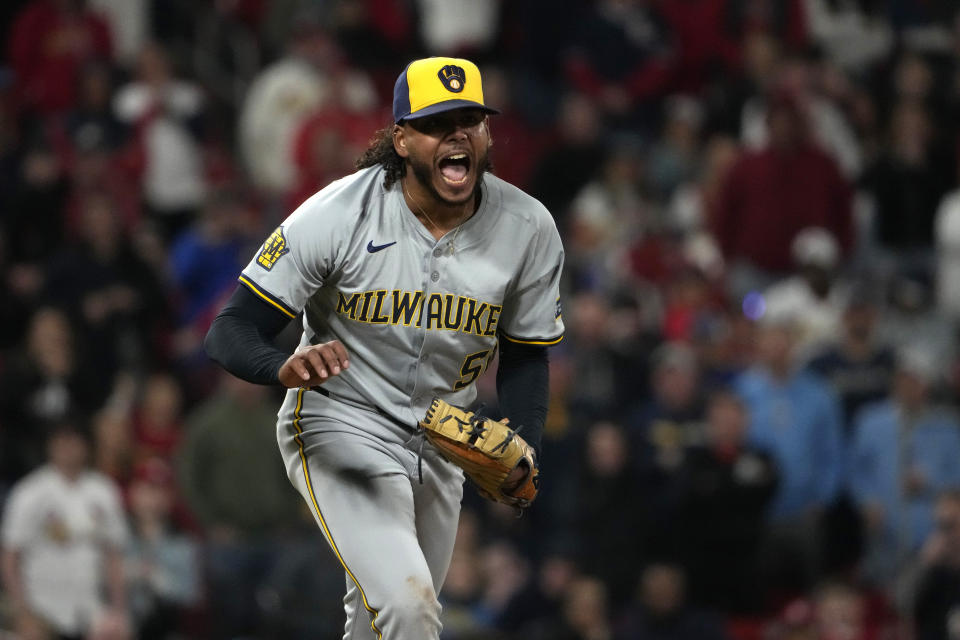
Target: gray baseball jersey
[419, 317]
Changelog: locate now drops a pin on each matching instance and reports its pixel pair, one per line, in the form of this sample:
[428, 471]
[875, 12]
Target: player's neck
[436, 215]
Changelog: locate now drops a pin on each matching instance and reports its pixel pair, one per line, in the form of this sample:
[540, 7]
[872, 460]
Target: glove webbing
[477, 428]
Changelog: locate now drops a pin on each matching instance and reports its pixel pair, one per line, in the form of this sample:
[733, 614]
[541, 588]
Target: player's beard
[424, 173]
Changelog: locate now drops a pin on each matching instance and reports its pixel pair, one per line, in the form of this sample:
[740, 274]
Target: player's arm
[530, 322]
[241, 341]
[523, 382]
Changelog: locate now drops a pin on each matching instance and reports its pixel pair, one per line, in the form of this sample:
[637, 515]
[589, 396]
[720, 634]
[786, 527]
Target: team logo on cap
[453, 77]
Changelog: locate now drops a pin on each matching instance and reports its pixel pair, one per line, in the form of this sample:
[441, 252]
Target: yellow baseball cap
[433, 85]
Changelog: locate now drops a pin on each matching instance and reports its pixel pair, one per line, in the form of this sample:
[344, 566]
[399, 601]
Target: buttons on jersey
[435, 276]
[437, 252]
[424, 357]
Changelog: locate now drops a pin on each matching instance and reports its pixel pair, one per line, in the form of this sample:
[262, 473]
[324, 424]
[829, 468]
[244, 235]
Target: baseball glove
[486, 450]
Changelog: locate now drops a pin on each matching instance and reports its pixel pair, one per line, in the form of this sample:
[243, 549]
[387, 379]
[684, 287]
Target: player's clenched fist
[313, 365]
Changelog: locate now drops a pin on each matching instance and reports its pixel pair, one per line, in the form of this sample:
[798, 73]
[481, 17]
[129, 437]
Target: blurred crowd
[753, 428]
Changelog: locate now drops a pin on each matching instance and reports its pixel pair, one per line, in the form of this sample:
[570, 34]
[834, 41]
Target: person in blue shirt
[205, 258]
[795, 417]
[905, 450]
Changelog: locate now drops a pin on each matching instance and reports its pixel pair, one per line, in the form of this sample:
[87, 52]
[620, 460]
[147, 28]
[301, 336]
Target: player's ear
[400, 141]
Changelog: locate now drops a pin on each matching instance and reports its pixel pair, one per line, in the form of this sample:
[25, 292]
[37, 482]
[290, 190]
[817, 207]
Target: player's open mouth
[455, 168]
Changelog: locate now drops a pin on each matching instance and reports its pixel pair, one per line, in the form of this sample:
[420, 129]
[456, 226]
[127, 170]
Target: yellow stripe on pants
[323, 524]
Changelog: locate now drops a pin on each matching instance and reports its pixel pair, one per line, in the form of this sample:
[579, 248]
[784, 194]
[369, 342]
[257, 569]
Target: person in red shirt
[707, 46]
[50, 41]
[771, 194]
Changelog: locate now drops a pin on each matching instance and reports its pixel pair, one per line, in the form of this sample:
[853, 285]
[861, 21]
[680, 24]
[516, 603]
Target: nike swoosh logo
[372, 248]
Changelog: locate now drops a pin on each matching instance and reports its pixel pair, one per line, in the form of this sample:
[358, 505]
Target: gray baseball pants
[358, 471]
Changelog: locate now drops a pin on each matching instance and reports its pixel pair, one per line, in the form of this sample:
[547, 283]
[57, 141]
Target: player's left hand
[516, 478]
[311, 366]
[494, 457]
[518, 475]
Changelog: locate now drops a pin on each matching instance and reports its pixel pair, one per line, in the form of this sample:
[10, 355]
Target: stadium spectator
[691, 301]
[857, 363]
[34, 224]
[372, 33]
[726, 487]
[517, 142]
[706, 48]
[157, 419]
[90, 122]
[727, 346]
[460, 598]
[771, 194]
[913, 80]
[98, 171]
[458, 27]
[540, 602]
[824, 121]
[906, 183]
[204, 261]
[44, 380]
[325, 147]
[605, 216]
[797, 419]
[50, 41]
[312, 74]
[691, 202]
[610, 542]
[904, 451]
[814, 295]
[936, 593]
[585, 614]
[852, 34]
[674, 159]
[63, 536]
[166, 113]
[162, 564]
[241, 499]
[842, 612]
[129, 23]
[661, 609]
[911, 316]
[506, 573]
[621, 55]
[762, 54]
[280, 97]
[592, 358]
[115, 297]
[671, 420]
[783, 19]
[794, 621]
[573, 157]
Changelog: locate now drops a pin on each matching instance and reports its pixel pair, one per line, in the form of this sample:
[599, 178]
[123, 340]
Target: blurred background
[752, 432]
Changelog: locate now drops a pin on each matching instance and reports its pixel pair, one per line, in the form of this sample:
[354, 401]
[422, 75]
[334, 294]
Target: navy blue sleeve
[523, 381]
[241, 338]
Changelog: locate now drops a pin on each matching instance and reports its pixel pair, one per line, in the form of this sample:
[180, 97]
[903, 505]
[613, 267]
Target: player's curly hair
[381, 152]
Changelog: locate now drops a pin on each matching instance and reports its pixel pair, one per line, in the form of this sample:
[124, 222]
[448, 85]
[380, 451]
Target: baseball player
[409, 273]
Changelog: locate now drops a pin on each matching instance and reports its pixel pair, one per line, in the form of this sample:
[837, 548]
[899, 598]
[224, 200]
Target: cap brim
[447, 105]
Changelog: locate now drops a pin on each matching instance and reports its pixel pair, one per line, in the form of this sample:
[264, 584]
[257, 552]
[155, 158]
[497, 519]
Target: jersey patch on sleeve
[273, 249]
[559, 309]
